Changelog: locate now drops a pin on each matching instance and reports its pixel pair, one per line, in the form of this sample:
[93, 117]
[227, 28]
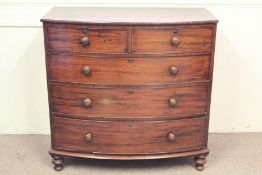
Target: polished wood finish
[200, 161]
[85, 41]
[128, 137]
[86, 70]
[58, 162]
[128, 157]
[172, 101]
[171, 137]
[173, 70]
[140, 71]
[129, 16]
[70, 38]
[175, 41]
[87, 102]
[88, 137]
[117, 102]
[186, 39]
[129, 83]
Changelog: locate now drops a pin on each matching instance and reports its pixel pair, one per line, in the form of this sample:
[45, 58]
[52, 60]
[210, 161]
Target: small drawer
[180, 39]
[90, 40]
[130, 101]
[129, 137]
[126, 71]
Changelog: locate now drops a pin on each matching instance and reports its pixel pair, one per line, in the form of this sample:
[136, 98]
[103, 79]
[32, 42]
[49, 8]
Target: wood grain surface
[129, 83]
[129, 137]
[61, 152]
[157, 40]
[64, 38]
[118, 102]
[119, 71]
[129, 16]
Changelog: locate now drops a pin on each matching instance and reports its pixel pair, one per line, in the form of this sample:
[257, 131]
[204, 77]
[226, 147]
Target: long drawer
[129, 101]
[146, 137]
[126, 71]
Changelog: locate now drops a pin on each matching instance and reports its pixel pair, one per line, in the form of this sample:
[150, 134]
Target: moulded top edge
[129, 16]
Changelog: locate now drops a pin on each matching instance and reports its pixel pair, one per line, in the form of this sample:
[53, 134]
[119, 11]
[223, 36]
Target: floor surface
[231, 154]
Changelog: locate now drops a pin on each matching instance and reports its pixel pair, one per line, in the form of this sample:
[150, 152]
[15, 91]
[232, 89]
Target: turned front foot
[199, 162]
[58, 162]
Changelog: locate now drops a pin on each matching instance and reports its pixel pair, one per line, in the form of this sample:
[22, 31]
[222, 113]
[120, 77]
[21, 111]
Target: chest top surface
[129, 16]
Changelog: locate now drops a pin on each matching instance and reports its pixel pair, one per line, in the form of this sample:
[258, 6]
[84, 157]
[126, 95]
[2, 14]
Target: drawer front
[135, 101]
[112, 137]
[177, 40]
[137, 71]
[77, 39]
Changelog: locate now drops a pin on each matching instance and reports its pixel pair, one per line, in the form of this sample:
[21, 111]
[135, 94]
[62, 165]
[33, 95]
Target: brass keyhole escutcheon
[129, 123]
[130, 60]
[130, 91]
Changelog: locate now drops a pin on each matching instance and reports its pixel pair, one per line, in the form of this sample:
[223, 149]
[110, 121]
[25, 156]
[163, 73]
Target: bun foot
[200, 161]
[58, 162]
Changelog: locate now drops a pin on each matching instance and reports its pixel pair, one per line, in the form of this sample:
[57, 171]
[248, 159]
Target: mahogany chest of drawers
[129, 83]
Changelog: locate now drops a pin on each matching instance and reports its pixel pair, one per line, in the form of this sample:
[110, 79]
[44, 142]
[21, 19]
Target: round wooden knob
[86, 70]
[175, 41]
[173, 70]
[87, 102]
[171, 137]
[172, 101]
[85, 41]
[88, 137]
